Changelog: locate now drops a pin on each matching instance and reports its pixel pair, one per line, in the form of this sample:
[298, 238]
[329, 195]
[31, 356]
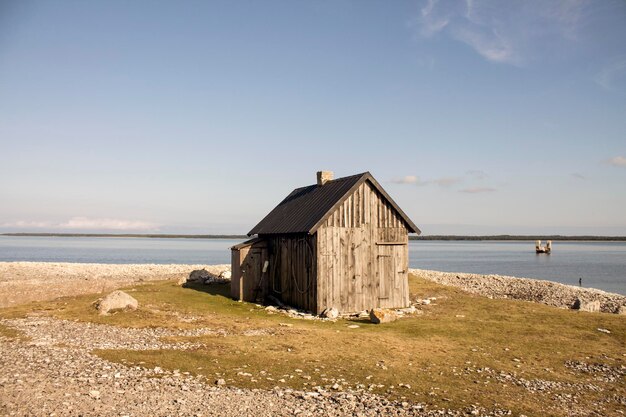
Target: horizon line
[243, 236]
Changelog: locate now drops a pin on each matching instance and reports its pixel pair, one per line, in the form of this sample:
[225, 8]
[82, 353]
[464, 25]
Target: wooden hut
[340, 243]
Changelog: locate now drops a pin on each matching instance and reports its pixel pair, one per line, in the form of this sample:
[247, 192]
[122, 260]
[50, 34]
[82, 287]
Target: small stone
[330, 313]
[607, 331]
[353, 326]
[220, 382]
[590, 306]
[94, 394]
[409, 310]
[380, 315]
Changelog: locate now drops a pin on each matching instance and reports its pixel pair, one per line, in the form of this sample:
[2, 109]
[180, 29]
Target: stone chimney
[324, 176]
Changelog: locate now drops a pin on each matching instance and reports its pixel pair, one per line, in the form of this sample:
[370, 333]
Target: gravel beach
[23, 282]
[525, 289]
[51, 370]
[54, 374]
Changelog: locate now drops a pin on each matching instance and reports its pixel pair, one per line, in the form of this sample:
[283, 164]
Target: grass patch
[11, 333]
[449, 356]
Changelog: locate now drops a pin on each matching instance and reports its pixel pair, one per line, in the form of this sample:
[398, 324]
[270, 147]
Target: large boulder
[621, 310]
[117, 300]
[202, 276]
[199, 275]
[381, 315]
[590, 306]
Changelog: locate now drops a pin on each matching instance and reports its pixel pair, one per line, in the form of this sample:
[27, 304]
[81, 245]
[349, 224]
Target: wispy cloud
[618, 161]
[446, 181]
[432, 23]
[489, 43]
[610, 74]
[578, 176]
[85, 223]
[113, 224]
[409, 179]
[478, 190]
[415, 180]
[27, 224]
[503, 32]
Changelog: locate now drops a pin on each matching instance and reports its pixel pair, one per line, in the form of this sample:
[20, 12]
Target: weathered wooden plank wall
[236, 274]
[293, 269]
[362, 255]
[248, 281]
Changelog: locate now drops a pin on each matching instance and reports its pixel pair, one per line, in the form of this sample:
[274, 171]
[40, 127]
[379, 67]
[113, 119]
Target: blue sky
[478, 117]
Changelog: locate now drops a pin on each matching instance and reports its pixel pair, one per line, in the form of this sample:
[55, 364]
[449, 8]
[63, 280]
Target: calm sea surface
[600, 264]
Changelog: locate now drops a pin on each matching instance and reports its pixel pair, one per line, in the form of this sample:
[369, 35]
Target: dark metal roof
[306, 208]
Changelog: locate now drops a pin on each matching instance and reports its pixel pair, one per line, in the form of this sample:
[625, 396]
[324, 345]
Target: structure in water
[543, 249]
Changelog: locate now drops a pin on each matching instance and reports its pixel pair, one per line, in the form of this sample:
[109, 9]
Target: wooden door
[236, 283]
[385, 272]
[253, 276]
[401, 284]
[393, 275]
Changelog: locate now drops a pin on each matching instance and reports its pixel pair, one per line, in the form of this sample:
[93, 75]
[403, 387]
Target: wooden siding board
[235, 284]
[342, 278]
[336, 245]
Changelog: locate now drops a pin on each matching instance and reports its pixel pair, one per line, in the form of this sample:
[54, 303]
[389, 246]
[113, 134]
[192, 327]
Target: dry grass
[10, 333]
[436, 353]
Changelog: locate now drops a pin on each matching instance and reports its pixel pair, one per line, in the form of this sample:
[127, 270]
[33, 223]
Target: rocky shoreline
[528, 289]
[23, 282]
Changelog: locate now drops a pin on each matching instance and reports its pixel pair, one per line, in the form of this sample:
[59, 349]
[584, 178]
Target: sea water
[598, 264]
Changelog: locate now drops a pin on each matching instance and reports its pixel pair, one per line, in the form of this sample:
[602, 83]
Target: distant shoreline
[524, 238]
[430, 237]
[133, 235]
